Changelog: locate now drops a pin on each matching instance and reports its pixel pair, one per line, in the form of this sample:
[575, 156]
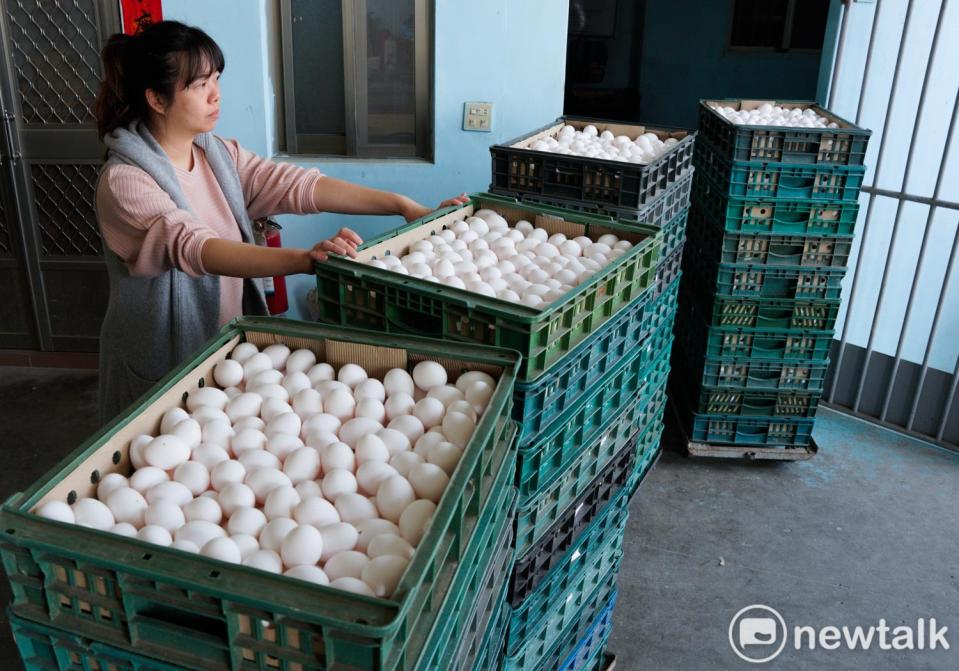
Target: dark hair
[165, 55]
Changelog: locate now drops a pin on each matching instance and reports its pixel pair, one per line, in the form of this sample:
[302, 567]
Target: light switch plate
[478, 116]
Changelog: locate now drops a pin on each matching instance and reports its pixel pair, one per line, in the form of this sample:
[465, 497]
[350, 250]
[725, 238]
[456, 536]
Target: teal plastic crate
[728, 280]
[470, 602]
[208, 615]
[741, 374]
[536, 404]
[563, 441]
[765, 181]
[354, 294]
[712, 205]
[596, 553]
[752, 431]
[551, 641]
[44, 648]
[773, 313]
[588, 652]
[490, 655]
[845, 145]
[755, 403]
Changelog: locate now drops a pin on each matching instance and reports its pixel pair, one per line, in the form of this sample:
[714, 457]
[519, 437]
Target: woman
[175, 205]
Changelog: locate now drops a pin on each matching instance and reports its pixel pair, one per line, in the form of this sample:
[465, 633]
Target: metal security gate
[51, 262]
[896, 360]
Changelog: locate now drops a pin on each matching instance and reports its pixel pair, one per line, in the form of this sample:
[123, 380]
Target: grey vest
[153, 324]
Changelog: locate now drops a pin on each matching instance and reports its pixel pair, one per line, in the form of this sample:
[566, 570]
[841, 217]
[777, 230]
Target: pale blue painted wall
[927, 155]
[510, 53]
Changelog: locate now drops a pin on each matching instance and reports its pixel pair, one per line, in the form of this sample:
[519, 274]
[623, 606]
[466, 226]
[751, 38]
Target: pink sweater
[142, 225]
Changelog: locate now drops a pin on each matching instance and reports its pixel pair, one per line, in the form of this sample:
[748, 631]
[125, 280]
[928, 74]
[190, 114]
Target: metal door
[51, 262]
[896, 355]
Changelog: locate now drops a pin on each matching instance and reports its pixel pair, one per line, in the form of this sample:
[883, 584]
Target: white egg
[302, 546]
[410, 426]
[194, 476]
[398, 381]
[383, 574]
[206, 396]
[121, 529]
[337, 455]
[234, 496]
[275, 532]
[354, 508]
[256, 364]
[371, 474]
[199, 532]
[387, 544]
[318, 427]
[278, 354]
[446, 394]
[127, 505]
[243, 405]
[464, 407]
[171, 418]
[248, 439]
[156, 535]
[445, 455]
[478, 395]
[248, 521]
[426, 442]
[107, 484]
[429, 481]
[245, 423]
[281, 445]
[429, 410]
[524, 227]
[204, 508]
[352, 585]
[399, 404]
[296, 382]
[403, 462]
[307, 402]
[166, 514]
[370, 388]
[340, 404]
[264, 480]
[138, 445]
[206, 414]
[338, 482]
[415, 520]
[538, 235]
[458, 428]
[166, 452]
[320, 372]
[392, 497]
[253, 460]
[346, 564]
[338, 537]
[265, 560]
[308, 489]
[243, 351]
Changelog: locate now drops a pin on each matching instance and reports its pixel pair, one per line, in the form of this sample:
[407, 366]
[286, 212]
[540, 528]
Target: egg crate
[588, 653]
[206, 614]
[572, 518]
[713, 207]
[550, 640]
[611, 453]
[845, 145]
[490, 652]
[766, 250]
[519, 170]
[739, 374]
[789, 345]
[734, 281]
[658, 212]
[470, 602]
[562, 442]
[537, 403]
[591, 558]
[668, 272]
[719, 430]
[753, 403]
[648, 458]
[774, 313]
[354, 294]
[44, 648]
[756, 180]
[674, 234]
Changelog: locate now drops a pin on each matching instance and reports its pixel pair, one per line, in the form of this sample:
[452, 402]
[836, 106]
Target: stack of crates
[89, 599]
[770, 232]
[590, 425]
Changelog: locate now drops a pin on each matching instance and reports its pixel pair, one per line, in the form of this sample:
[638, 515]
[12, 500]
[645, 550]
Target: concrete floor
[866, 530]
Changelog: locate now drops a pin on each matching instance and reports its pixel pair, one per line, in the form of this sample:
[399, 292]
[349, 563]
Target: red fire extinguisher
[267, 232]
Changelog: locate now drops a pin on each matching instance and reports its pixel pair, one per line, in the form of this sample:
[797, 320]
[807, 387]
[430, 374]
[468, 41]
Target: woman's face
[195, 107]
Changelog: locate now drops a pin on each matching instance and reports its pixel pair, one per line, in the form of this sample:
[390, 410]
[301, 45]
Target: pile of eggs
[769, 115]
[590, 143]
[289, 466]
[523, 264]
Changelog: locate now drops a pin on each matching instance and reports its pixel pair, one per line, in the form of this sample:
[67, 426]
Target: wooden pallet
[747, 452]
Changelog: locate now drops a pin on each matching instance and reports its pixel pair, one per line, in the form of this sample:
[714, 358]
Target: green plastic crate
[44, 648]
[560, 444]
[753, 403]
[742, 374]
[551, 639]
[490, 654]
[354, 294]
[845, 145]
[721, 279]
[760, 432]
[536, 404]
[614, 186]
[774, 313]
[205, 614]
[470, 603]
[820, 183]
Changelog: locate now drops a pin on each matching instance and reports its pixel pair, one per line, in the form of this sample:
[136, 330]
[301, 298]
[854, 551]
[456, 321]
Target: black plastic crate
[658, 212]
[520, 171]
[845, 145]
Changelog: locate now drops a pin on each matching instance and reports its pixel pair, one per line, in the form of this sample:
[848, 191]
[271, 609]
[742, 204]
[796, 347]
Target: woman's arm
[241, 259]
[336, 195]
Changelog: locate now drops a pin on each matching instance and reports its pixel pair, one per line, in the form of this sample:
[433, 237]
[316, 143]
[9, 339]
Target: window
[780, 25]
[356, 77]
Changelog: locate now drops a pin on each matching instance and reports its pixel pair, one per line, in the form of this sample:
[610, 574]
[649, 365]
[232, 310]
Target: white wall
[927, 155]
[510, 53]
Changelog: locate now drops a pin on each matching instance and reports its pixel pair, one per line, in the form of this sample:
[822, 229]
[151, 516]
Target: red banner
[135, 15]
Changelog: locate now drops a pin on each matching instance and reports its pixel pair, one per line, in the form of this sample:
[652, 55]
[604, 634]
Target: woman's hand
[344, 243]
[411, 210]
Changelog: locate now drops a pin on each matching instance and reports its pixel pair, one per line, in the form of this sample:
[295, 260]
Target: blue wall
[512, 54]
[685, 58]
